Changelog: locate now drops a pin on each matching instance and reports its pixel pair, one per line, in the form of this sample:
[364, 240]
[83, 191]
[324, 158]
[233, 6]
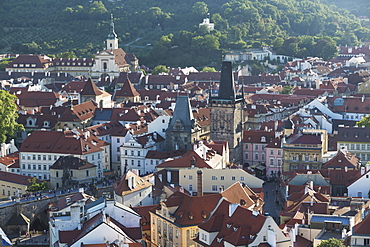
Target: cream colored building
[68, 171]
[13, 184]
[216, 180]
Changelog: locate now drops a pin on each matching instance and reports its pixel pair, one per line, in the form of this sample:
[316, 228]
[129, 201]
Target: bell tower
[227, 114]
[112, 41]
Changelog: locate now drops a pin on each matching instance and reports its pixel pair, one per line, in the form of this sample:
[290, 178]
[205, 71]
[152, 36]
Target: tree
[287, 89]
[209, 69]
[8, 116]
[332, 242]
[4, 63]
[200, 8]
[36, 185]
[364, 122]
[160, 69]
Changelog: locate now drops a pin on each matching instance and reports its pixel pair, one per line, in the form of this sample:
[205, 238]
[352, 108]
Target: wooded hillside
[167, 31]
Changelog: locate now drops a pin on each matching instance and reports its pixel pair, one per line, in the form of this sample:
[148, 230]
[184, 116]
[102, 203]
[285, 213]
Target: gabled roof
[341, 160]
[15, 178]
[79, 112]
[62, 142]
[91, 89]
[123, 188]
[362, 228]
[72, 163]
[189, 159]
[29, 59]
[240, 228]
[191, 210]
[127, 90]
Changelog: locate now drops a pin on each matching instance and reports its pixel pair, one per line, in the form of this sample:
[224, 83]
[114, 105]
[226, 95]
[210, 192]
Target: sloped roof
[362, 228]
[90, 89]
[127, 90]
[189, 159]
[122, 188]
[60, 142]
[73, 163]
[192, 210]
[15, 178]
[239, 229]
[342, 160]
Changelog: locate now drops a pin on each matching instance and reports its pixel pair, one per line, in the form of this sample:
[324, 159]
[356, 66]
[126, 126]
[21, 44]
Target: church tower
[112, 41]
[227, 114]
[183, 129]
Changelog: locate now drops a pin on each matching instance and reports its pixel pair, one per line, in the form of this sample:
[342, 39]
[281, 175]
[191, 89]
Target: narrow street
[273, 201]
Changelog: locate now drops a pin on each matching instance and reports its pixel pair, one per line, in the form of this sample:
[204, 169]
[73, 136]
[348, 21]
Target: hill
[167, 31]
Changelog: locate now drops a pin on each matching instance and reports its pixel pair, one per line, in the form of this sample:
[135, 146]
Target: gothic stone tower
[183, 129]
[227, 114]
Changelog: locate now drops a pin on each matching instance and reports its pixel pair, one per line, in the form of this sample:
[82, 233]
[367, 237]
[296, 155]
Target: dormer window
[27, 65]
[21, 65]
[15, 65]
[219, 240]
[228, 226]
[263, 139]
[46, 124]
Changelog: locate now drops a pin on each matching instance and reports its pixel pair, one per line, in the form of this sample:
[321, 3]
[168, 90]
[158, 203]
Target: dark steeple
[182, 114]
[227, 89]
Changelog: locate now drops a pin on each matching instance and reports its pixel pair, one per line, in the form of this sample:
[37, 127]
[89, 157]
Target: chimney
[362, 170]
[169, 176]
[232, 208]
[311, 185]
[346, 169]
[306, 189]
[363, 98]
[311, 201]
[204, 153]
[200, 183]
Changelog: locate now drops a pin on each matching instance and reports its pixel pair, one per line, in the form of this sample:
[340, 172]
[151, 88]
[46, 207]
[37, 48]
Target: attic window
[190, 215]
[236, 228]
[219, 240]
[228, 226]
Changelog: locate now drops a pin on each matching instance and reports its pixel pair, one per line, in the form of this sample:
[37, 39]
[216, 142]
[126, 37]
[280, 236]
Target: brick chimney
[200, 183]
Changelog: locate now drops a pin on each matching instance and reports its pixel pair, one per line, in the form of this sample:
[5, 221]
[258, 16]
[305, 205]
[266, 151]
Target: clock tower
[227, 114]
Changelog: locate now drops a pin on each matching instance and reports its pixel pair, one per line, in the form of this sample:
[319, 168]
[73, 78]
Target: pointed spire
[90, 89]
[112, 34]
[127, 89]
[182, 113]
[227, 89]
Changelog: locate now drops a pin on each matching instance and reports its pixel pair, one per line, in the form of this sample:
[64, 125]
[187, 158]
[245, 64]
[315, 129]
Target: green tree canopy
[160, 69]
[36, 185]
[332, 242]
[209, 69]
[287, 89]
[8, 115]
[200, 8]
[364, 122]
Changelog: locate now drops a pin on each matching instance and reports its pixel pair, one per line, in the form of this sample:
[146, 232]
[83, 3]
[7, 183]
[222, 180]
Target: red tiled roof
[258, 136]
[15, 178]
[91, 89]
[127, 90]
[237, 229]
[29, 59]
[61, 142]
[342, 160]
[36, 99]
[362, 228]
[192, 210]
[189, 159]
[79, 112]
[10, 159]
